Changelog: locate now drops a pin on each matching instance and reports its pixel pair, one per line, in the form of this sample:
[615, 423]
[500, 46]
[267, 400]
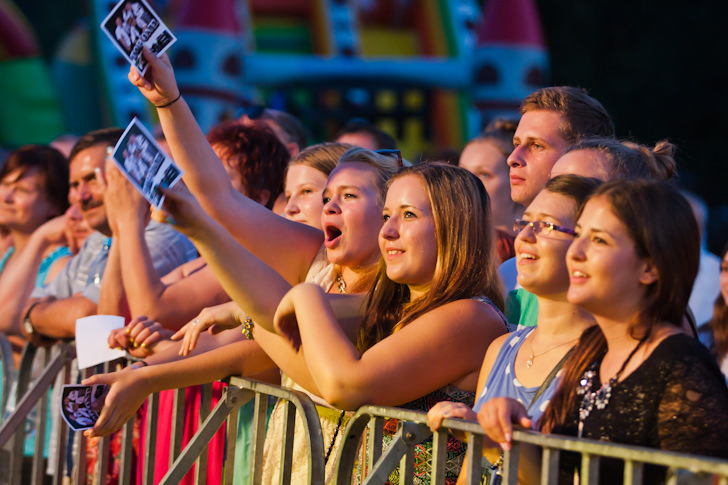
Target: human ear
[649, 273]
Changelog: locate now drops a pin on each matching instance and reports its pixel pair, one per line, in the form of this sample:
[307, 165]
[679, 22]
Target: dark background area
[659, 67]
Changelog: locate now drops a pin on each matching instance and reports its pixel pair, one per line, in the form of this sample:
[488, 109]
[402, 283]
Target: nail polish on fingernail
[170, 221]
[109, 151]
[119, 348]
[508, 437]
[144, 346]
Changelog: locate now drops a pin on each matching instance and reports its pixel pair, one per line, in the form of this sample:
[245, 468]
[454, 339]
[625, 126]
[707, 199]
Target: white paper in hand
[91, 339]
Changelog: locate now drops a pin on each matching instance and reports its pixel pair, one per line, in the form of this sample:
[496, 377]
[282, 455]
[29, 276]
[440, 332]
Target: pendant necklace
[600, 397]
[529, 362]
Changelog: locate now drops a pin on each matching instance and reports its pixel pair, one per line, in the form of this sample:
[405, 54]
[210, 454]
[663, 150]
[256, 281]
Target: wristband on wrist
[167, 105]
[138, 365]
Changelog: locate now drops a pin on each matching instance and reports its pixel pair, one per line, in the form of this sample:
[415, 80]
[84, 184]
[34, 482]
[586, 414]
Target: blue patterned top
[502, 380]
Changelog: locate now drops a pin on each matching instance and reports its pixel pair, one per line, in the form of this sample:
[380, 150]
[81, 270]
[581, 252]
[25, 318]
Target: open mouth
[332, 235]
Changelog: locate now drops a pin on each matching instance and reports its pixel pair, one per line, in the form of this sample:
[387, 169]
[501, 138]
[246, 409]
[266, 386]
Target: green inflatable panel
[29, 111]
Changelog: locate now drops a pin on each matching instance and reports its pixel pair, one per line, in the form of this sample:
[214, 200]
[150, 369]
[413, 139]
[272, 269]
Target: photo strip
[133, 24]
[144, 163]
[81, 405]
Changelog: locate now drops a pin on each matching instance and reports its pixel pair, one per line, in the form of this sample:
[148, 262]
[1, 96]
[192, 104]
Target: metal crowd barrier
[364, 430]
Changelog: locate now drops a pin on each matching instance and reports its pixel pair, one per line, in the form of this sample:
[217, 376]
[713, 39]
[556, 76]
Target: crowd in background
[555, 279]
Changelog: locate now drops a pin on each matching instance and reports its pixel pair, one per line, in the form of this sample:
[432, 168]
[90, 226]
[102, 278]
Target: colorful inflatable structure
[29, 112]
[431, 72]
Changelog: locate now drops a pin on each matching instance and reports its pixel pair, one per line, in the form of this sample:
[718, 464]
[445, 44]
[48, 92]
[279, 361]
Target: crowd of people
[544, 282]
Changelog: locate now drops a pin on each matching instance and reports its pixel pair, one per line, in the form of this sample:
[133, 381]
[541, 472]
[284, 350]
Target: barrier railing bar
[310, 422]
[25, 370]
[61, 435]
[150, 445]
[39, 426]
[510, 463]
[632, 472]
[102, 458]
[289, 424]
[205, 405]
[439, 453]
[260, 412]
[80, 464]
[237, 398]
[178, 423]
[17, 418]
[668, 459]
[474, 463]
[407, 466]
[550, 466]
[199, 441]
[127, 442]
[6, 352]
[375, 438]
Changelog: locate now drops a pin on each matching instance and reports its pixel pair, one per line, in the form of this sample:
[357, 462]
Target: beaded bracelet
[248, 328]
[167, 105]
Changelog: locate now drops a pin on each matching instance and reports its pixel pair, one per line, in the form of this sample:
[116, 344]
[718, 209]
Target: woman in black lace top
[635, 378]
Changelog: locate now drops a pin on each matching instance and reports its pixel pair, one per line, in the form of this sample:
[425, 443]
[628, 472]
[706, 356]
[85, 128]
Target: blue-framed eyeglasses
[540, 227]
[392, 152]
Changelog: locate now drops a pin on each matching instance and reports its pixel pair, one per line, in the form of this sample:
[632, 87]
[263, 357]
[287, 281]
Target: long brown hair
[465, 264]
[718, 323]
[662, 226]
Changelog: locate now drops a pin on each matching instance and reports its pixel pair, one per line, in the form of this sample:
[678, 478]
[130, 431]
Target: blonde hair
[384, 165]
[322, 157]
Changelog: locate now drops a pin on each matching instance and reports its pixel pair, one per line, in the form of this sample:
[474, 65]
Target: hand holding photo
[81, 405]
[133, 24]
[144, 163]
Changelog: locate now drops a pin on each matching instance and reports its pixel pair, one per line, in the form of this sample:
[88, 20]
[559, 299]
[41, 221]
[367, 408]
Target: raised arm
[449, 341]
[286, 246]
[145, 292]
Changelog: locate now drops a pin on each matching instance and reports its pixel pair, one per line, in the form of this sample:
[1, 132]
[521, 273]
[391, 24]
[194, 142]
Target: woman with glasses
[519, 367]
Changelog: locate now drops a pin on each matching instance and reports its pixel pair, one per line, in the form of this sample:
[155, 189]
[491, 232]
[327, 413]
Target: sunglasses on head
[391, 152]
[252, 111]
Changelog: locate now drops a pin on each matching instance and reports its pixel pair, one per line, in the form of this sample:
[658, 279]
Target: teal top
[45, 265]
[521, 308]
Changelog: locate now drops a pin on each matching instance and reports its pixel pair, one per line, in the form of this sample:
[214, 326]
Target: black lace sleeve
[693, 410]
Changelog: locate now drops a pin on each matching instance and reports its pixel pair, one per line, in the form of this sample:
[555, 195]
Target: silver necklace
[600, 397]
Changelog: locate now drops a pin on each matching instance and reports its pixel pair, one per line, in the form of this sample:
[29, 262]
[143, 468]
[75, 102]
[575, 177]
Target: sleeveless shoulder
[484, 299]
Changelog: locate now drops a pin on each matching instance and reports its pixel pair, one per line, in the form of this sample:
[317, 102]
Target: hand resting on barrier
[497, 417]
[449, 409]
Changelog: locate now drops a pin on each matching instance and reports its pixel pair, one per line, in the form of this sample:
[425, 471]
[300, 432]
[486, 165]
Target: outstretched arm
[288, 247]
[449, 341]
[129, 388]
